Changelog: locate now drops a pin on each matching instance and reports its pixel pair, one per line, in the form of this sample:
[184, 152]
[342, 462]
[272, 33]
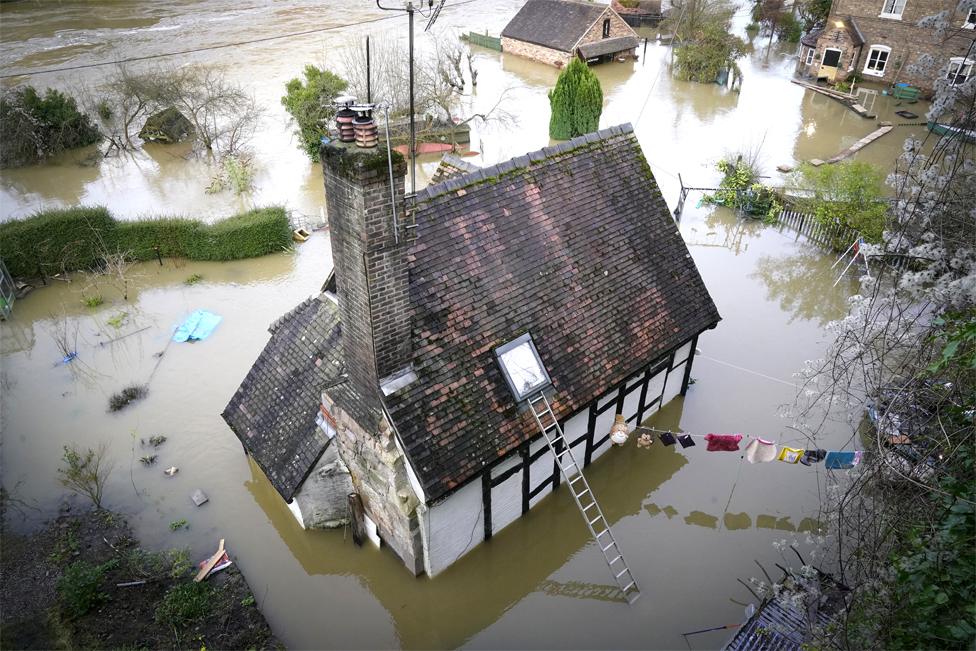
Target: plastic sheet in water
[197, 327]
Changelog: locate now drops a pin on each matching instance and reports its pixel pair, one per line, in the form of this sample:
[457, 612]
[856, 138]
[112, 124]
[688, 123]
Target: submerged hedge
[77, 238]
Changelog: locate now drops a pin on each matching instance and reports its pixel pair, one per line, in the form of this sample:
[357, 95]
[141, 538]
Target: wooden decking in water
[857, 146]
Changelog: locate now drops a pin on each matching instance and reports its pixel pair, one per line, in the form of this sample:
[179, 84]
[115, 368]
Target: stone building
[555, 31]
[389, 385]
[888, 41]
[638, 13]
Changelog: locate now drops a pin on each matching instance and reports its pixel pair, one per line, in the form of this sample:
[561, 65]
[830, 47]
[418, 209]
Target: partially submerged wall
[323, 498]
[380, 476]
[540, 53]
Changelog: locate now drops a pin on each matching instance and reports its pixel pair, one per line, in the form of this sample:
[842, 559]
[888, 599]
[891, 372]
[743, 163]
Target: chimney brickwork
[370, 264]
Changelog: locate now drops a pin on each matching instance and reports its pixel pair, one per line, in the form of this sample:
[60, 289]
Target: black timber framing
[664, 363]
[486, 500]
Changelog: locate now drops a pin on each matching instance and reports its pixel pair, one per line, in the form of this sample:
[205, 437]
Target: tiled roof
[810, 38]
[451, 166]
[557, 24]
[573, 244]
[608, 46]
[273, 411]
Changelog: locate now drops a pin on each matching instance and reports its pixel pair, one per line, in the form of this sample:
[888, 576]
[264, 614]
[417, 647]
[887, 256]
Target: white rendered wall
[456, 526]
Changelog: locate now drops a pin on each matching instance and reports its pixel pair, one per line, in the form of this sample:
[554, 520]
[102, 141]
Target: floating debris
[199, 497]
[148, 460]
[127, 396]
[172, 470]
[157, 440]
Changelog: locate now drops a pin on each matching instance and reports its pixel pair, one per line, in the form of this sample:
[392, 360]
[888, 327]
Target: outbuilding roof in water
[556, 24]
[573, 244]
[274, 410]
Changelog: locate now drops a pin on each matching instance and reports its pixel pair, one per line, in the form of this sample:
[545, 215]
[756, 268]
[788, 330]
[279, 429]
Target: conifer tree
[576, 102]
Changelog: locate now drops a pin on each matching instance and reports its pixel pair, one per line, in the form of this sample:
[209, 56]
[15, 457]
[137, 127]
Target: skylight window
[522, 367]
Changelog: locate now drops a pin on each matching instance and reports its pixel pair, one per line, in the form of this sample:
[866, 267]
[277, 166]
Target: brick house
[883, 41]
[555, 31]
[389, 385]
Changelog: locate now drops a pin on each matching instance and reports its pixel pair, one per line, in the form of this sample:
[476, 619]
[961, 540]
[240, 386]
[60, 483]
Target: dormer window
[522, 367]
[893, 9]
[606, 28]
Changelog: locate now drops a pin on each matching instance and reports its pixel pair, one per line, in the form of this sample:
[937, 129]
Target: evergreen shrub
[576, 102]
[77, 238]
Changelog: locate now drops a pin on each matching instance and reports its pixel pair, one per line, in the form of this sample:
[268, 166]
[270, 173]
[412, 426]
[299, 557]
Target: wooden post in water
[357, 518]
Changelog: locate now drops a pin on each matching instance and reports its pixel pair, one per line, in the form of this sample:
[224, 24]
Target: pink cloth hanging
[723, 442]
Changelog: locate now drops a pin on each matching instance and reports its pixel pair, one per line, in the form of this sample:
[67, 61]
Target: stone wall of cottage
[323, 499]
[379, 474]
[539, 53]
[908, 41]
[618, 27]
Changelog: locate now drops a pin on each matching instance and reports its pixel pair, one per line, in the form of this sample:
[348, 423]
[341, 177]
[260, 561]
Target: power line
[211, 47]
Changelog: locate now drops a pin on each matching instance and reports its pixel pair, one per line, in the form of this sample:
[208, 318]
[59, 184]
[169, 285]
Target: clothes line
[757, 450]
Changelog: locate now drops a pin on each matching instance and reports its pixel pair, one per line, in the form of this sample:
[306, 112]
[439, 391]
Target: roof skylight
[522, 367]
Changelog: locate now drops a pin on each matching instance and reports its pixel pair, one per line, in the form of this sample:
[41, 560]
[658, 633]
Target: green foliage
[79, 238]
[957, 332]
[184, 604]
[176, 525]
[248, 601]
[310, 105]
[740, 189]
[92, 301]
[157, 440]
[118, 319]
[713, 50]
[752, 28]
[850, 193]
[193, 279]
[576, 102]
[789, 28]
[814, 12]
[80, 586]
[56, 240]
[86, 471]
[34, 127]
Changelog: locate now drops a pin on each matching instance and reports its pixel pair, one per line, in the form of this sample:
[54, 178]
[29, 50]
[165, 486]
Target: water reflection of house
[572, 246]
[555, 31]
[887, 41]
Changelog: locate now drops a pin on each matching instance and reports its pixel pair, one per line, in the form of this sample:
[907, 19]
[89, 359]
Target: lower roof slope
[573, 244]
[273, 412]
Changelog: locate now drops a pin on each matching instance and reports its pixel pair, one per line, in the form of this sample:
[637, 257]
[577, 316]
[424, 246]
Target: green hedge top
[77, 238]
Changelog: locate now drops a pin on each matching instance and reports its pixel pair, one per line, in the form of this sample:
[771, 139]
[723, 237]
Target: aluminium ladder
[585, 499]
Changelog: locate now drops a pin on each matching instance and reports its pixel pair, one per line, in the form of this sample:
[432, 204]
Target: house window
[877, 60]
[810, 52]
[606, 28]
[959, 70]
[893, 8]
[326, 422]
[970, 20]
[522, 367]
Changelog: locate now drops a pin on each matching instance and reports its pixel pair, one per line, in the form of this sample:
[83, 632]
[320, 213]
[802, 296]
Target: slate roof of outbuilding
[573, 244]
[273, 412]
[557, 24]
[608, 46]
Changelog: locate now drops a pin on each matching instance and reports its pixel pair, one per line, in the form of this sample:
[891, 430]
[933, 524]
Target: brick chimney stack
[369, 255]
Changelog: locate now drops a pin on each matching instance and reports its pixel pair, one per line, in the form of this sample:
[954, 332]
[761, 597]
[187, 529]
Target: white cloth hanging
[761, 451]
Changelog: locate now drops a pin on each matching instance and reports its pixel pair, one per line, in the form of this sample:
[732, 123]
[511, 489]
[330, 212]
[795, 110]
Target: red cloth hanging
[723, 442]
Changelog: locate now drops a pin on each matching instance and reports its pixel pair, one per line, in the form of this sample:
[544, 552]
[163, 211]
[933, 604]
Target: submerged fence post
[682, 195]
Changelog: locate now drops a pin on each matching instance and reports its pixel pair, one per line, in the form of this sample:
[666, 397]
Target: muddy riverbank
[83, 582]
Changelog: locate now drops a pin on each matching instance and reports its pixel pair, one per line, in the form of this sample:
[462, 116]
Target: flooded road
[689, 522]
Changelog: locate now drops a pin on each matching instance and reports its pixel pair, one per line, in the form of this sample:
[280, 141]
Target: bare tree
[122, 104]
[224, 114]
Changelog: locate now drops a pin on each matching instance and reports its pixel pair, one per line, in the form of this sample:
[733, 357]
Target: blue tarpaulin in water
[198, 326]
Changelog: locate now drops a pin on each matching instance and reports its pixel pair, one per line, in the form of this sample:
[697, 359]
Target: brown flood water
[690, 522]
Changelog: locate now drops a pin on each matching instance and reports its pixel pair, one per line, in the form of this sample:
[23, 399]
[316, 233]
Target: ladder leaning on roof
[585, 499]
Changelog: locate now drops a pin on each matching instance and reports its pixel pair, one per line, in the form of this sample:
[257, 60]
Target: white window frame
[961, 64]
[895, 12]
[970, 22]
[810, 52]
[867, 61]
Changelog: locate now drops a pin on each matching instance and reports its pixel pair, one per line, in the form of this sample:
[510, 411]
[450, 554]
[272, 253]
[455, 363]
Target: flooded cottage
[396, 395]
[555, 31]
